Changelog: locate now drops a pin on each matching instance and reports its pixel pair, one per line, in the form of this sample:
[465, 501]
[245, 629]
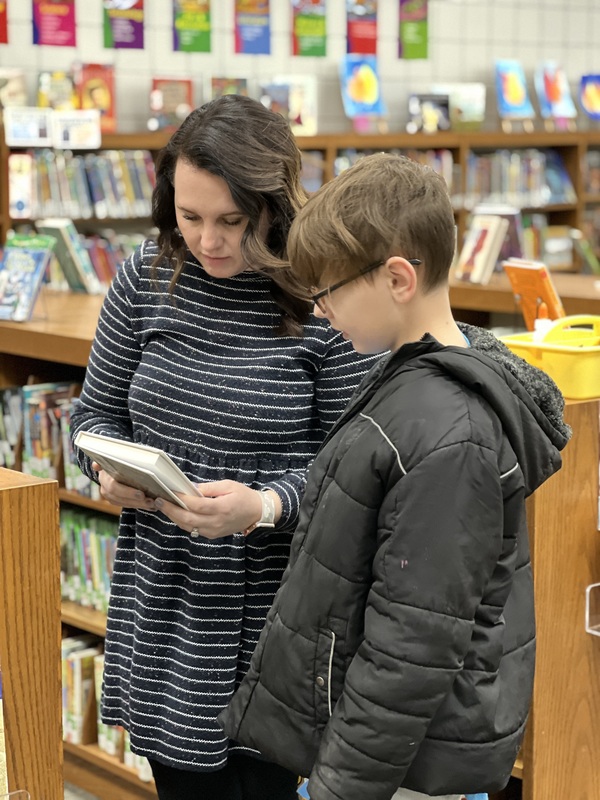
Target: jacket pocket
[324, 681]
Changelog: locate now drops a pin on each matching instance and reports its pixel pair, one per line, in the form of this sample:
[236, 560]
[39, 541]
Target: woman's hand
[121, 495]
[226, 507]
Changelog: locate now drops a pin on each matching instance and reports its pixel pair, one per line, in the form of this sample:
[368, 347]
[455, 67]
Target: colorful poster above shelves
[54, 23]
[361, 27]
[413, 39]
[252, 27]
[124, 24]
[309, 28]
[191, 26]
[3, 24]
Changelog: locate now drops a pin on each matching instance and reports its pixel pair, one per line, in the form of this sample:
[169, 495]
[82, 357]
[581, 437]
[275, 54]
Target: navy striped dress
[202, 375]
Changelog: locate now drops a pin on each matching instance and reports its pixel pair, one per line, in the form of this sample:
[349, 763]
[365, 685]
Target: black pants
[242, 778]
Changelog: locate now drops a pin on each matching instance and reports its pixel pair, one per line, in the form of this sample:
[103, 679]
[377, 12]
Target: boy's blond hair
[385, 205]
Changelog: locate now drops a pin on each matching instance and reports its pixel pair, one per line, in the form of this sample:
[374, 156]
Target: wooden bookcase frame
[30, 633]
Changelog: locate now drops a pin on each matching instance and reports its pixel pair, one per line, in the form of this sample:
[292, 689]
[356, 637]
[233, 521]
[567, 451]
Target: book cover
[222, 86]
[591, 263]
[95, 85]
[22, 271]
[553, 93]
[428, 113]
[13, 88]
[557, 248]
[512, 246]
[73, 257]
[361, 87]
[512, 95]
[589, 95]
[146, 468]
[56, 89]
[478, 256]
[467, 104]
[276, 97]
[558, 186]
[302, 102]
[171, 100]
[532, 285]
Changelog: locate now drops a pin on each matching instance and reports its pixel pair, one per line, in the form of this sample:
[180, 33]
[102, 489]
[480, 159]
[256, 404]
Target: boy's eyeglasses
[317, 297]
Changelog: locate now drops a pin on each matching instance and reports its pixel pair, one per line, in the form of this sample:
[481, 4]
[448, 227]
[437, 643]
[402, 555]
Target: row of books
[88, 546]
[62, 258]
[497, 233]
[440, 160]
[110, 184]
[82, 665]
[529, 178]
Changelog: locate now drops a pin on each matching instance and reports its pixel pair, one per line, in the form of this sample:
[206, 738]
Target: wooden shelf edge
[87, 619]
[87, 502]
[109, 766]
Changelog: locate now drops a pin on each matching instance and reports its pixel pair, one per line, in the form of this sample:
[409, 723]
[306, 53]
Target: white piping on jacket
[330, 670]
[388, 440]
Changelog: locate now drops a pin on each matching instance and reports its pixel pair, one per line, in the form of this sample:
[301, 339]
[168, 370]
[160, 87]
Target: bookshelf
[573, 147]
[559, 747]
[30, 633]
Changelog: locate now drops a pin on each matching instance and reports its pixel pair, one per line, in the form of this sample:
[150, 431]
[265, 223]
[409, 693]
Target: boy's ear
[402, 279]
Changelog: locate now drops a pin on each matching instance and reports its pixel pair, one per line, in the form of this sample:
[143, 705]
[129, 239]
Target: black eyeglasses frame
[317, 296]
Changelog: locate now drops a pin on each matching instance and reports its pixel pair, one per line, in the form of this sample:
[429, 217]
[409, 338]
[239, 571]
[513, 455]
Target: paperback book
[22, 271]
[511, 90]
[467, 104]
[71, 254]
[171, 100]
[222, 86]
[146, 468]
[553, 93]
[533, 287]
[95, 84]
[428, 113]
[361, 87]
[483, 241]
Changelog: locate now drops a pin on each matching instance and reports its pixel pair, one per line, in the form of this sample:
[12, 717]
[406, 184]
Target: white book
[141, 466]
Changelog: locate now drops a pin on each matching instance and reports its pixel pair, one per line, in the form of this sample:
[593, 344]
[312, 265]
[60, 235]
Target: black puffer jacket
[400, 647]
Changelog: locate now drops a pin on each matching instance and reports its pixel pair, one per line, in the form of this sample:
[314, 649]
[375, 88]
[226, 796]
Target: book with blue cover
[512, 95]
[22, 271]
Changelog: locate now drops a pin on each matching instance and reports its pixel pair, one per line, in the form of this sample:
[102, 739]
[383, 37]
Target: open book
[141, 466]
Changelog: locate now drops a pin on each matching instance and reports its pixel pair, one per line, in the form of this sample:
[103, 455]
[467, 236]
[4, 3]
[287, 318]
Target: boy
[399, 651]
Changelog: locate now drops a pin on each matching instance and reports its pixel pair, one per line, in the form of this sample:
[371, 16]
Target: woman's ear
[401, 278]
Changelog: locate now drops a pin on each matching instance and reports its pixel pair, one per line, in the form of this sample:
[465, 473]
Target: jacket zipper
[330, 670]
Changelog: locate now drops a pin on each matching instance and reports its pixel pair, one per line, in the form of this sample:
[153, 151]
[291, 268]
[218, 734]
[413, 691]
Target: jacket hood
[526, 400]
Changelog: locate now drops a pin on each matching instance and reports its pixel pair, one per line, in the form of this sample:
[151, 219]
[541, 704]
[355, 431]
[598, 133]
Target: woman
[200, 352]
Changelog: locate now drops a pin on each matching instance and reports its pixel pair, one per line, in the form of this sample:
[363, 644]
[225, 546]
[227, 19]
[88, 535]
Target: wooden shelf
[580, 294]
[87, 502]
[104, 776]
[82, 617]
[62, 329]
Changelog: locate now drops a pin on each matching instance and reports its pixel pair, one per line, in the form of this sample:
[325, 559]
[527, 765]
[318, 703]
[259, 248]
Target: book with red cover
[96, 89]
[532, 286]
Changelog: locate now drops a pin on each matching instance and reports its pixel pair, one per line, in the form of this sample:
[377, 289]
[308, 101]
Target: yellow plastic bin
[569, 351]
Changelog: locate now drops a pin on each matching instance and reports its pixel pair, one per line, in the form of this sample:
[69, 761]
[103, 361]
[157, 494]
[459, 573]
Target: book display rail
[558, 755]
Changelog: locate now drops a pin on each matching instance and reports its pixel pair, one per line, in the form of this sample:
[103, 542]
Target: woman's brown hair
[254, 151]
